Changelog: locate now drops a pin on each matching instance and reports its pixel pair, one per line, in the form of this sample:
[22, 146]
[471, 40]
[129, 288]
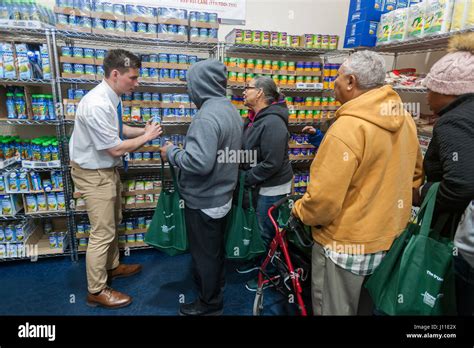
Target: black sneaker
[197, 308]
[247, 268]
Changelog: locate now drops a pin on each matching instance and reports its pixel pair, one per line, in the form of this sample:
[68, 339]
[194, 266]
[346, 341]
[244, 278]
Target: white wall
[295, 17]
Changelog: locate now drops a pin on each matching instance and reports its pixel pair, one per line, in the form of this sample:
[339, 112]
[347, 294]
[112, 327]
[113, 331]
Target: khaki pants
[334, 290]
[101, 190]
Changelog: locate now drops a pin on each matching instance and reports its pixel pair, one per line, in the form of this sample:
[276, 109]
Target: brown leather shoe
[124, 271]
[108, 298]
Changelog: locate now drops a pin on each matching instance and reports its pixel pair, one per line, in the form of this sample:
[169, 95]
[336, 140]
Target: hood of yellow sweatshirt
[381, 106]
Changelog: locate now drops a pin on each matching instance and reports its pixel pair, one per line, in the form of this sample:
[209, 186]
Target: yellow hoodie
[360, 193]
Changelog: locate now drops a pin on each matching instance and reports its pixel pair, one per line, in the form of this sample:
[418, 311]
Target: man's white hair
[368, 67]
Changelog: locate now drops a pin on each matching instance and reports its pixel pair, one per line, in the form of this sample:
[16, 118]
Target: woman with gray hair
[266, 133]
[360, 194]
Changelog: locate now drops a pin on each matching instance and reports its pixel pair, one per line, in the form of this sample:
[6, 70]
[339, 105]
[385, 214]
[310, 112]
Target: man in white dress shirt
[98, 146]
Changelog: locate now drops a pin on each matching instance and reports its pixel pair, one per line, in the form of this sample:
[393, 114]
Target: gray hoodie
[203, 181]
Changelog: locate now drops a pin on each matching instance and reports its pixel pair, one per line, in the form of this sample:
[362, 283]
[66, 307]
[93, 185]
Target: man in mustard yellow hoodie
[362, 182]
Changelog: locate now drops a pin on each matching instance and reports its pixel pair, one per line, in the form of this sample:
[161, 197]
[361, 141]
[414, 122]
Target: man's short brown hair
[120, 60]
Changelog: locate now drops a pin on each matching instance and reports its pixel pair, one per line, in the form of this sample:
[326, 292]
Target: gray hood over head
[206, 80]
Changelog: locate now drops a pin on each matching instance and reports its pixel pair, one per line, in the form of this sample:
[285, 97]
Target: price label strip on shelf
[35, 164]
[8, 162]
[309, 86]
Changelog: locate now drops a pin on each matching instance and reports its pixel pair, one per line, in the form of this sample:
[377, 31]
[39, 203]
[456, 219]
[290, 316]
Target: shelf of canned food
[286, 74]
[131, 231]
[303, 88]
[131, 21]
[157, 84]
[299, 148]
[318, 123]
[301, 108]
[140, 107]
[274, 41]
[167, 121]
[301, 180]
[137, 194]
[162, 70]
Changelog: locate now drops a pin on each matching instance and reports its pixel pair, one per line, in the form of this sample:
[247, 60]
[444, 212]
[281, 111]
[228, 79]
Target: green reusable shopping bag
[426, 281]
[167, 231]
[407, 282]
[243, 240]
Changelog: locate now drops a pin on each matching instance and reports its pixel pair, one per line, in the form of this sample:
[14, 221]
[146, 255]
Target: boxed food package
[24, 67]
[416, 20]
[438, 15]
[360, 34]
[10, 204]
[389, 5]
[399, 25]
[8, 61]
[357, 5]
[365, 15]
[368, 28]
[45, 62]
[403, 4]
[384, 28]
[365, 10]
[463, 15]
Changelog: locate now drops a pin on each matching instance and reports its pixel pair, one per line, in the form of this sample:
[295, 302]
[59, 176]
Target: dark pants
[464, 286]
[266, 227]
[206, 245]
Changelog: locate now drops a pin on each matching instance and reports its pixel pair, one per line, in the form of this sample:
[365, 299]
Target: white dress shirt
[96, 129]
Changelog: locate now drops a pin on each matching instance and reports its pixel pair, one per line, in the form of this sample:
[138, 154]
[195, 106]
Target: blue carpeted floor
[58, 287]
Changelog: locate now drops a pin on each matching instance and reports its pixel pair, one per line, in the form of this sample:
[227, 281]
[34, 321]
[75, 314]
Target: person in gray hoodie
[207, 179]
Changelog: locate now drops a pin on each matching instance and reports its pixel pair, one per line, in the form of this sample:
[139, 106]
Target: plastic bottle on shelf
[20, 106]
[34, 106]
[35, 150]
[11, 110]
[54, 150]
[43, 104]
[50, 107]
[25, 148]
[46, 151]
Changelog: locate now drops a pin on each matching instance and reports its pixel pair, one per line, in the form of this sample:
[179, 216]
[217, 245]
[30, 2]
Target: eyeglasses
[250, 87]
